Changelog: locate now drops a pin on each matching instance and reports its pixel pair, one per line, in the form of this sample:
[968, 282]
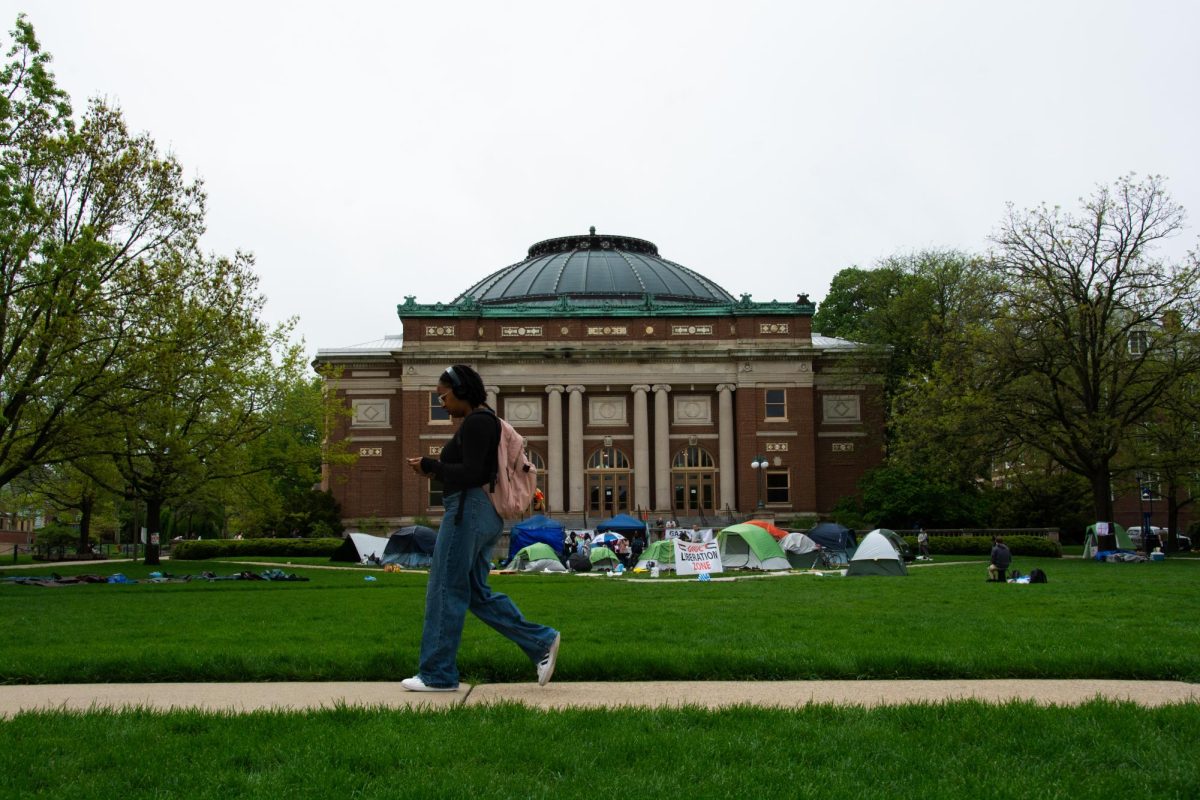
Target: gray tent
[800, 550]
[537, 557]
[876, 556]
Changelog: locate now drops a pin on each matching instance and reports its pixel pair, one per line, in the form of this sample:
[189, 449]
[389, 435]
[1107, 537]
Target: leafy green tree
[84, 205]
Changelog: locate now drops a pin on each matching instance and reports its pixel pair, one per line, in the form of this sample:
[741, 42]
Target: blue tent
[622, 523]
[535, 529]
[832, 536]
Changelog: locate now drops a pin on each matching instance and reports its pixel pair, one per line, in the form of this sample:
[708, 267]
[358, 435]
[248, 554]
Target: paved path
[243, 697]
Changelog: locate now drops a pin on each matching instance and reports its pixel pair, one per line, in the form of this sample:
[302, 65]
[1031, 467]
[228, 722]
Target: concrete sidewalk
[244, 697]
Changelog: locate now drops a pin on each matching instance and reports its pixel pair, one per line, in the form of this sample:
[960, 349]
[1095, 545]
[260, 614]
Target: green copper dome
[619, 270]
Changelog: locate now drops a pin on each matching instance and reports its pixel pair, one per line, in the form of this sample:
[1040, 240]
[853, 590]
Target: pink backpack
[516, 477]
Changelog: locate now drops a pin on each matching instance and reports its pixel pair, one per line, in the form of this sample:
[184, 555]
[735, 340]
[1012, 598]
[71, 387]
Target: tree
[1094, 329]
[83, 207]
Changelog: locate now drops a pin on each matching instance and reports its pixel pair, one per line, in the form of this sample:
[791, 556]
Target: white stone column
[554, 457]
[726, 435]
[575, 447]
[662, 449]
[641, 447]
[492, 392]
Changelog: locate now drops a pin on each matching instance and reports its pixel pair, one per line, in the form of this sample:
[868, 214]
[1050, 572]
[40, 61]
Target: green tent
[1116, 539]
[750, 547]
[877, 555]
[603, 558]
[537, 557]
[661, 553]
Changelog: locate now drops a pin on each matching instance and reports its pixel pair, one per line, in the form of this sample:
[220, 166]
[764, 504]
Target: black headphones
[456, 385]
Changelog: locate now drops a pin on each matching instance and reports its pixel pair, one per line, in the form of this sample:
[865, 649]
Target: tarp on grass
[750, 547]
[360, 548]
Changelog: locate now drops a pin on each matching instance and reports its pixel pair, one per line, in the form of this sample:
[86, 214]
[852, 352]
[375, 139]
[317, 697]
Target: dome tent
[750, 547]
[770, 527]
[537, 557]
[801, 551]
[411, 547]
[603, 558]
[360, 548]
[535, 529]
[876, 556]
[661, 553]
[1116, 539]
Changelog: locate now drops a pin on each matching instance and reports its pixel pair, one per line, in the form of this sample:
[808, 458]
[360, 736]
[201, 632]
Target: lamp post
[759, 465]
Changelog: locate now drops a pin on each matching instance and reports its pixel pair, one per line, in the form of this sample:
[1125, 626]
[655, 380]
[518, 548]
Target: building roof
[620, 270]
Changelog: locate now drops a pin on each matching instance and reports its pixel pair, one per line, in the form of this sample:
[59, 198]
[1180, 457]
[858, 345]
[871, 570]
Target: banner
[692, 558]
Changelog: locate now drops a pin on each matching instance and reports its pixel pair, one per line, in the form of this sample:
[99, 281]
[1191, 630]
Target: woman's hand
[415, 463]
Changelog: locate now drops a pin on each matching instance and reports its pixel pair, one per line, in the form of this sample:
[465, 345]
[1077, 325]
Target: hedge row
[196, 550]
[982, 545]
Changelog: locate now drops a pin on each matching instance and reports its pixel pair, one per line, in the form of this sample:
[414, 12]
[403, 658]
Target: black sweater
[469, 459]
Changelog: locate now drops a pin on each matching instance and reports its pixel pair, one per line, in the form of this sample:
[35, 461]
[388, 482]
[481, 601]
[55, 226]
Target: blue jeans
[458, 581]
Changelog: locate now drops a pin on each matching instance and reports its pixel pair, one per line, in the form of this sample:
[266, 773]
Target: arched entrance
[608, 478]
[694, 480]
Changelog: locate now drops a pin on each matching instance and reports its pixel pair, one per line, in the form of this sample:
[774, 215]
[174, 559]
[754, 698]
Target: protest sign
[692, 558]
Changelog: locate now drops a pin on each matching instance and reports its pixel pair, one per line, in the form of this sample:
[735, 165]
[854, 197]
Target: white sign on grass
[692, 558]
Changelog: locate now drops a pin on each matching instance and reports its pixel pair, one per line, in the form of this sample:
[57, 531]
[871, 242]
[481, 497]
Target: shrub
[225, 548]
[1035, 546]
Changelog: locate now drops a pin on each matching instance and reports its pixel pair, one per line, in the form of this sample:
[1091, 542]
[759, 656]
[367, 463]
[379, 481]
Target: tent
[535, 529]
[622, 523]
[769, 527]
[1116, 539]
[411, 547]
[661, 553]
[800, 550]
[906, 553]
[877, 556]
[603, 558]
[537, 557]
[831, 536]
[750, 547]
[360, 548]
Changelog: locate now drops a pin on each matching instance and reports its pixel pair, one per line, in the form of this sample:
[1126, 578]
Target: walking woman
[470, 527]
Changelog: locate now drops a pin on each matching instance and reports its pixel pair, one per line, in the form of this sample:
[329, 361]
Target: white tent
[876, 555]
[361, 548]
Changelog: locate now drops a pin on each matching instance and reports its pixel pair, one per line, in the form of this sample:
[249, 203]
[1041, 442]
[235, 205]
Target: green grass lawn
[955, 750]
[1091, 620]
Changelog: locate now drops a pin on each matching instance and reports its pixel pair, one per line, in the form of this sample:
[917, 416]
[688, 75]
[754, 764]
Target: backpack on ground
[515, 481]
[1037, 576]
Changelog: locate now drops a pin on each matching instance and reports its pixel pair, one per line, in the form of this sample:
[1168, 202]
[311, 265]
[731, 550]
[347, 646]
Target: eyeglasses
[442, 397]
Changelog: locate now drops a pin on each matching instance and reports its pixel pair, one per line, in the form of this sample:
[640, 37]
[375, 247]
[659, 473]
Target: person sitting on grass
[1001, 559]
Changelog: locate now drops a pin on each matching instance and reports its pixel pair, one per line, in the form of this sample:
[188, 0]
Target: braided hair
[466, 384]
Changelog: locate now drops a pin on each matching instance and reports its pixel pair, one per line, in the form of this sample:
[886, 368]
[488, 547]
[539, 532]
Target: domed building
[640, 385]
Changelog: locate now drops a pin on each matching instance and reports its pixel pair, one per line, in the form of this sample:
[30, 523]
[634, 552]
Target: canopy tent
[411, 547]
[360, 548]
[750, 547]
[537, 557]
[831, 536]
[661, 553]
[603, 558]
[769, 527]
[606, 539]
[622, 523]
[1115, 539]
[877, 556]
[535, 529]
[800, 550]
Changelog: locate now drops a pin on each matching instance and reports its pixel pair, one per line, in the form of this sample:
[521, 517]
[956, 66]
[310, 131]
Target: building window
[1139, 342]
[435, 493]
[437, 413]
[539, 463]
[776, 404]
[1150, 486]
[777, 487]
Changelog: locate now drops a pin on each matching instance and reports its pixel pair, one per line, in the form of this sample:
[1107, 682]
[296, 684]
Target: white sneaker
[545, 667]
[415, 684]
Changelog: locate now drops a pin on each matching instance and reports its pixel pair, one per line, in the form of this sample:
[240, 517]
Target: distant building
[641, 387]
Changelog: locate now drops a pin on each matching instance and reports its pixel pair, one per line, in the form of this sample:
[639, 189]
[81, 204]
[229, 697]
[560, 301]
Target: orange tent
[770, 528]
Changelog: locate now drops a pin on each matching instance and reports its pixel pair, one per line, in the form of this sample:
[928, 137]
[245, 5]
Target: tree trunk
[153, 529]
[1102, 495]
[85, 523]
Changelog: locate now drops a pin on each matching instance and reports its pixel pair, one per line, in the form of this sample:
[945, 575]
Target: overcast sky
[366, 151]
